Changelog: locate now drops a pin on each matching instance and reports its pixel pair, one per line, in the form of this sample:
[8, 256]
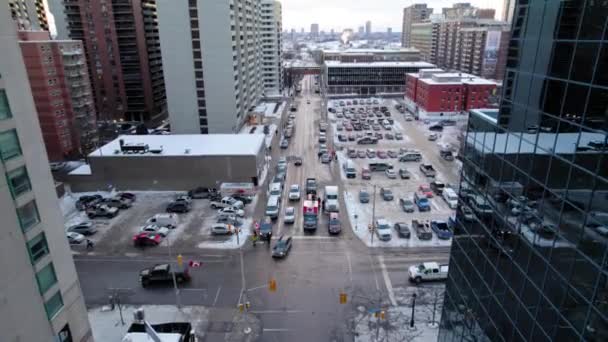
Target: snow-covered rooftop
[356, 51]
[187, 145]
[338, 64]
[83, 170]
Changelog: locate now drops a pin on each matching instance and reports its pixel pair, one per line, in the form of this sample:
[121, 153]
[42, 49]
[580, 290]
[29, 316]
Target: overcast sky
[340, 14]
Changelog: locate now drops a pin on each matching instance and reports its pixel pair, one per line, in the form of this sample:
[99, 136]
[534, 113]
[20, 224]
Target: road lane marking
[374, 270]
[257, 287]
[350, 267]
[217, 295]
[242, 276]
[262, 312]
[140, 260]
[387, 281]
[275, 330]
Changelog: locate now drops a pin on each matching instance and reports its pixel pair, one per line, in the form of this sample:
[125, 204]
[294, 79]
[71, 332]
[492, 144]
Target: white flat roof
[354, 50]
[187, 145]
[338, 64]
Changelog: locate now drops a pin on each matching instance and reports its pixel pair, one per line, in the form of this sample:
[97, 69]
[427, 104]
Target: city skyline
[299, 14]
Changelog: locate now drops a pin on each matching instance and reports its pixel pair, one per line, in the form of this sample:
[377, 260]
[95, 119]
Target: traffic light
[180, 260]
[343, 298]
[241, 307]
[272, 285]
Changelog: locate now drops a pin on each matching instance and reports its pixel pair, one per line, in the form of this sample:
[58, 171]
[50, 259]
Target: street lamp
[413, 306]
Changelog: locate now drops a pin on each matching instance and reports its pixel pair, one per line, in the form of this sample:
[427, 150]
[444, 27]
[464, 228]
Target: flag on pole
[193, 263]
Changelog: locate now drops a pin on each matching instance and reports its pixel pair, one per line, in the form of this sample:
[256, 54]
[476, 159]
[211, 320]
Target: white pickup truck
[428, 271]
[227, 202]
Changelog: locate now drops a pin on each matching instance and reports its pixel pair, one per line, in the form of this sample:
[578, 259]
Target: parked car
[386, 194]
[390, 173]
[371, 153]
[127, 195]
[381, 154]
[221, 229]
[232, 211]
[164, 220]
[243, 198]
[437, 187]
[367, 141]
[425, 190]
[432, 137]
[363, 196]
[422, 229]
[366, 174]
[84, 228]
[178, 207]
[101, 211]
[201, 192]
[74, 238]
[294, 192]
[147, 239]
[229, 219]
[404, 174]
[407, 205]
[392, 153]
[361, 154]
[152, 228]
[290, 215]
[402, 229]
[422, 202]
[227, 202]
[281, 247]
[398, 136]
[441, 229]
[84, 202]
[383, 229]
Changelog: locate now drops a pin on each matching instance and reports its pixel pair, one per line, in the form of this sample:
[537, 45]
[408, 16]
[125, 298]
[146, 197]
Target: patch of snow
[83, 170]
[231, 241]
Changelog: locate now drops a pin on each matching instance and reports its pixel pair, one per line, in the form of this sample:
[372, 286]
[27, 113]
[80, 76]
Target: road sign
[343, 298]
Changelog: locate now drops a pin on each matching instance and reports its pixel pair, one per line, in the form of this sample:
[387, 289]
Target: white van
[450, 197]
[275, 189]
[273, 207]
[349, 169]
[410, 156]
[168, 220]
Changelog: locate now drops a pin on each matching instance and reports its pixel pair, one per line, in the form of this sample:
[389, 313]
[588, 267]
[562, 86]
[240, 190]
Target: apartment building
[61, 90]
[122, 46]
[413, 14]
[29, 14]
[424, 36]
[466, 10]
[528, 258]
[272, 46]
[212, 62]
[41, 296]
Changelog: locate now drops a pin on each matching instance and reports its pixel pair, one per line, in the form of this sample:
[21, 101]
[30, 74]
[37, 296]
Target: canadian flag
[193, 263]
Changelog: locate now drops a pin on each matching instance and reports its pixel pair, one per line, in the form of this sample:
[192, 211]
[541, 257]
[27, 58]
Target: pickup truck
[428, 170]
[422, 229]
[428, 271]
[441, 229]
[227, 202]
[311, 186]
[101, 211]
[162, 273]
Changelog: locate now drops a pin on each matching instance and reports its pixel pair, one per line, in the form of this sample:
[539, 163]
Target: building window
[18, 181]
[53, 305]
[5, 110]
[28, 215]
[9, 145]
[46, 278]
[38, 248]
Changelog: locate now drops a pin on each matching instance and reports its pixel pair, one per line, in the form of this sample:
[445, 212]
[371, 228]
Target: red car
[147, 239]
[425, 189]
[381, 154]
[366, 174]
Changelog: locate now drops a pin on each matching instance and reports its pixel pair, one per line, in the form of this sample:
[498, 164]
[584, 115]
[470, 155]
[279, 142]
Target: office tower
[121, 41]
[314, 30]
[41, 297]
[29, 14]
[413, 14]
[368, 28]
[272, 42]
[212, 63]
[528, 259]
[507, 10]
[59, 80]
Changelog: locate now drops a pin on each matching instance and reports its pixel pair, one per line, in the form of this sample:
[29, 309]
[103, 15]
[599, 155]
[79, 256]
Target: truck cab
[310, 211]
[331, 199]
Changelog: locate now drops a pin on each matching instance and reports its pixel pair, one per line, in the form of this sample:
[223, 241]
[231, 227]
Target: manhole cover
[220, 327]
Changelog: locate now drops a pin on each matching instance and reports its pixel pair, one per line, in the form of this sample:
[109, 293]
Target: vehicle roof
[161, 267]
[430, 265]
[382, 221]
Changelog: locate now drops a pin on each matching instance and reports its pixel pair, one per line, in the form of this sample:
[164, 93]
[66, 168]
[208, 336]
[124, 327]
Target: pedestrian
[89, 244]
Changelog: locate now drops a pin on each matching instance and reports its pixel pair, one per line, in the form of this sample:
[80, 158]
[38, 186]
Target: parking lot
[192, 231]
[393, 135]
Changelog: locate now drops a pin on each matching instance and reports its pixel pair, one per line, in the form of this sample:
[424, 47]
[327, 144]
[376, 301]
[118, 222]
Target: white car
[221, 229]
[74, 238]
[152, 228]
[294, 192]
[232, 211]
[290, 215]
[390, 173]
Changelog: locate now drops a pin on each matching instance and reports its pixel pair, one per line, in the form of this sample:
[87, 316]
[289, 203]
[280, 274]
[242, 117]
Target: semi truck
[330, 198]
[310, 210]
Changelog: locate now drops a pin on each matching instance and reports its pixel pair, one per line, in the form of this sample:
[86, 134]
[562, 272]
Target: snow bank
[229, 242]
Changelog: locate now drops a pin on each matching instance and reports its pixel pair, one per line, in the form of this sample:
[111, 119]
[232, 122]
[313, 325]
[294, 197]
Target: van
[168, 220]
[379, 166]
[275, 189]
[349, 169]
[410, 156]
[450, 197]
[273, 207]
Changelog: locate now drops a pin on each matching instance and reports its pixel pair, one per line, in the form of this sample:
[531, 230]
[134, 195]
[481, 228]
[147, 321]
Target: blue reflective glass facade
[529, 259]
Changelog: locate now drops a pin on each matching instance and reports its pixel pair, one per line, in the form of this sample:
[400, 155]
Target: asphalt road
[305, 306]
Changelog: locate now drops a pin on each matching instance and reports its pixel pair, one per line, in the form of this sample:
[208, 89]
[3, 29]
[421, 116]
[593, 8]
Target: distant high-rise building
[413, 14]
[29, 14]
[123, 51]
[314, 30]
[212, 62]
[466, 10]
[302, 30]
[361, 30]
[368, 27]
[530, 246]
[58, 76]
[507, 10]
[272, 42]
[41, 295]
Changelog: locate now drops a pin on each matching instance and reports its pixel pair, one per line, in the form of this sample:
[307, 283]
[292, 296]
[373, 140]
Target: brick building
[59, 80]
[433, 93]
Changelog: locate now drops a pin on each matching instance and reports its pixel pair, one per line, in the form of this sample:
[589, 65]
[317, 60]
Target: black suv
[178, 207]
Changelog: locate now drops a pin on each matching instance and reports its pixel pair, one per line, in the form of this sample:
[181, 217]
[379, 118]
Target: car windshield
[271, 208]
[290, 211]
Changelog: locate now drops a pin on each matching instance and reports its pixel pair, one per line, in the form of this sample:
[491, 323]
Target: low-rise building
[172, 162]
[434, 93]
[371, 55]
[374, 78]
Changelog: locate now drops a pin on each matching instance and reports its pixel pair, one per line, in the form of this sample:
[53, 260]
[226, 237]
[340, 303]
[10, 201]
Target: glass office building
[529, 259]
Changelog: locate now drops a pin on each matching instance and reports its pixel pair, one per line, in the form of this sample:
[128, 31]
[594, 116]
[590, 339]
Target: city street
[306, 304]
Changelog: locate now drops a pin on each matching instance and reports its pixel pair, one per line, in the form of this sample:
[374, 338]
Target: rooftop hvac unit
[133, 147]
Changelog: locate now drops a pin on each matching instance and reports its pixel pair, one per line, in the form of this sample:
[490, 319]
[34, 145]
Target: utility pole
[374, 214]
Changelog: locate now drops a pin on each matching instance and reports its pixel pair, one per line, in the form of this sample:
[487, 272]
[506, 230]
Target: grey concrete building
[370, 55]
[413, 14]
[211, 62]
[172, 162]
[272, 46]
[40, 299]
